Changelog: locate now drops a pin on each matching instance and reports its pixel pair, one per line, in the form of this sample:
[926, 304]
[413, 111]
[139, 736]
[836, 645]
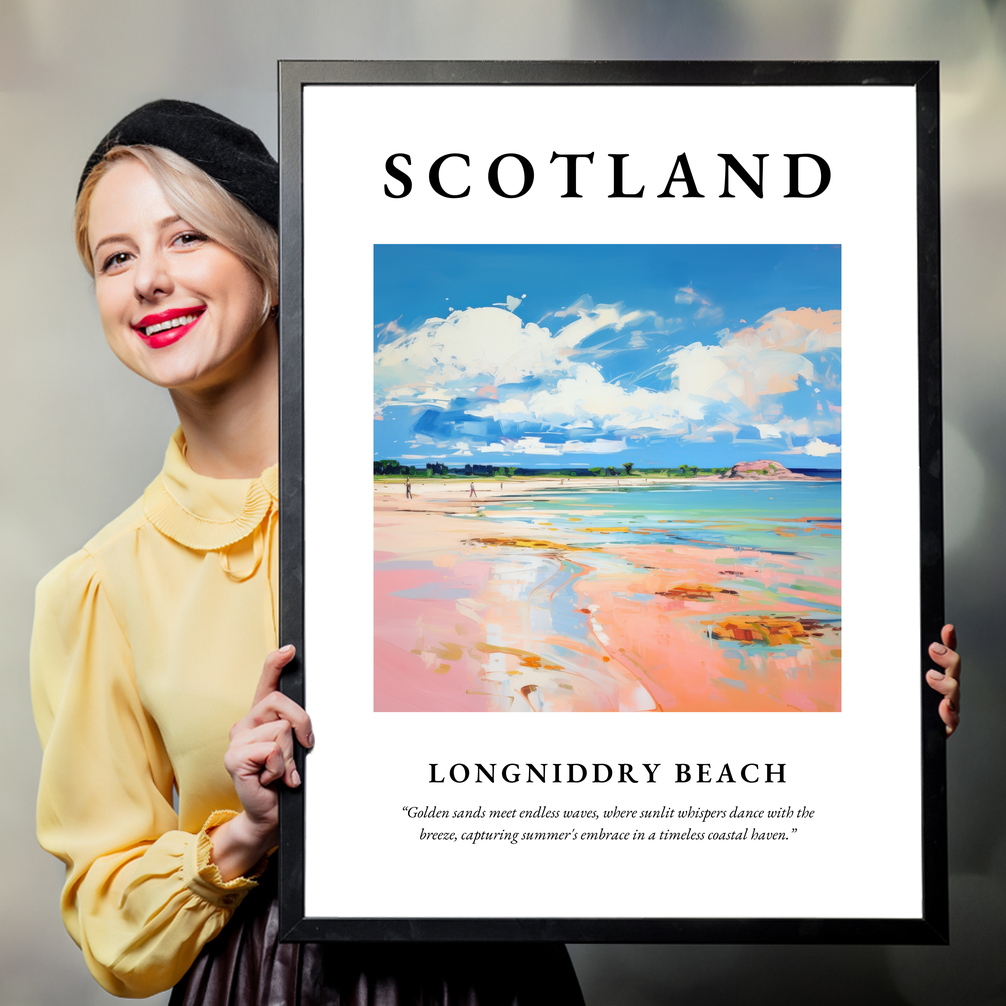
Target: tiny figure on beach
[472, 491]
[408, 488]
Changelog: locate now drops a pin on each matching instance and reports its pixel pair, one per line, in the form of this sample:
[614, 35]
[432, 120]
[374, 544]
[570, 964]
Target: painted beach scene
[607, 478]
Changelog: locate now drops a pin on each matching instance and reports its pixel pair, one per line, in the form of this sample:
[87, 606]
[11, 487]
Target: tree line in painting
[391, 467]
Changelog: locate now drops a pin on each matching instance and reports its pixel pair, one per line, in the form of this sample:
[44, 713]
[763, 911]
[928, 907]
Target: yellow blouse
[147, 647]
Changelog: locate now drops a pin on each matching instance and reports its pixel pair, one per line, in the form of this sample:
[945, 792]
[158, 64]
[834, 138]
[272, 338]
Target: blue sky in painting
[586, 355]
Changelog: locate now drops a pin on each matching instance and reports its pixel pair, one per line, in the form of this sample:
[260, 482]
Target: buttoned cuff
[202, 876]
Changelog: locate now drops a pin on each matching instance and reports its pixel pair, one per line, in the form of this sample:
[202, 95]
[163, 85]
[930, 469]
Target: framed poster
[610, 398]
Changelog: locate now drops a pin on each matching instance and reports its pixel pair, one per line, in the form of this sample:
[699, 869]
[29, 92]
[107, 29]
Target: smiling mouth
[165, 324]
[185, 319]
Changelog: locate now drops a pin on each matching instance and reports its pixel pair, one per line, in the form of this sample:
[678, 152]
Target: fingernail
[310, 740]
[938, 648]
[936, 675]
[295, 777]
[287, 649]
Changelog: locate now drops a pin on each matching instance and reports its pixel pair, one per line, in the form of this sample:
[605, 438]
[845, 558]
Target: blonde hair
[199, 200]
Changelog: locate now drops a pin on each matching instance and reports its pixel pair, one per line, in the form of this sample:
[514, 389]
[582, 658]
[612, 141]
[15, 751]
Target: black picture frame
[932, 926]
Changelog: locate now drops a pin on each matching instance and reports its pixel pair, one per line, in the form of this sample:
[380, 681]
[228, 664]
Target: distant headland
[755, 471]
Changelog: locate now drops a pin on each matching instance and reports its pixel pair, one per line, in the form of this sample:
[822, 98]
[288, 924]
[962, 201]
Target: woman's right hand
[948, 681]
[259, 754]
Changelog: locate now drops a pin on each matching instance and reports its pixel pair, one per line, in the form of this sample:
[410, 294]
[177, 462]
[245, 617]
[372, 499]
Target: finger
[279, 732]
[260, 760]
[947, 686]
[274, 766]
[949, 708]
[948, 659]
[271, 670]
[275, 706]
[950, 716]
[949, 636]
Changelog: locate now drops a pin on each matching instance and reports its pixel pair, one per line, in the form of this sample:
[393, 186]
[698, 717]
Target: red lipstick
[166, 327]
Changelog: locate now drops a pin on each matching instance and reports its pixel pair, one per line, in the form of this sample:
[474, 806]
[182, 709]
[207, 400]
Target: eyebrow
[160, 225]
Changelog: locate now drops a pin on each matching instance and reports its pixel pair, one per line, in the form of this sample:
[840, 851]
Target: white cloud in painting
[391, 328]
[442, 357]
[534, 445]
[599, 446]
[686, 295]
[801, 331]
[481, 341]
[816, 448]
[745, 378]
[587, 401]
[710, 313]
[819, 449]
[591, 318]
[706, 311]
[511, 303]
[755, 379]
[757, 361]
[722, 426]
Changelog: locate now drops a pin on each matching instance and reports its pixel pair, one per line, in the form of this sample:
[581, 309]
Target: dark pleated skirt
[246, 965]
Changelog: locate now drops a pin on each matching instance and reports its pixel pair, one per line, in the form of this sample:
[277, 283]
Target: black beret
[230, 154]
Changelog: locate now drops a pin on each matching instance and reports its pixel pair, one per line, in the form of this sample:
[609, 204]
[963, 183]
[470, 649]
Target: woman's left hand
[948, 681]
[260, 754]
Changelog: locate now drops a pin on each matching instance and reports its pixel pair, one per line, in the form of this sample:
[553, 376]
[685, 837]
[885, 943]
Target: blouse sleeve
[141, 898]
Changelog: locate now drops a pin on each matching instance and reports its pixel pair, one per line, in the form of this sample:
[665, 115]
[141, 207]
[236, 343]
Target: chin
[170, 373]
[176, 381]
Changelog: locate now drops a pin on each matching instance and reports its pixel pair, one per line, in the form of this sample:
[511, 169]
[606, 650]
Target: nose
[152, 277]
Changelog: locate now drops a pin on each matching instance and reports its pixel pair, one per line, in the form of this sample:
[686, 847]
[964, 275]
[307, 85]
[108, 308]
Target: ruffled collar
[203, 513]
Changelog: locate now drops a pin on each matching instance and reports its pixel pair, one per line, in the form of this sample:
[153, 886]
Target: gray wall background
[82, 436]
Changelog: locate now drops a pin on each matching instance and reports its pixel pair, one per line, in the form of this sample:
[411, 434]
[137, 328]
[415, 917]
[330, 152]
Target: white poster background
[858, 769]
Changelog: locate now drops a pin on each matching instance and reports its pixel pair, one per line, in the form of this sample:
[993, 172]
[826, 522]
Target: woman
[149, 642]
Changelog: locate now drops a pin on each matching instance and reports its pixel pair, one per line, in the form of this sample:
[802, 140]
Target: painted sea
[549, 595]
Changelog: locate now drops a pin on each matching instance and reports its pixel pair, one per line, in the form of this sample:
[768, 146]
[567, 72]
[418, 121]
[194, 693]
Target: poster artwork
[602, 403]
[607, 478]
